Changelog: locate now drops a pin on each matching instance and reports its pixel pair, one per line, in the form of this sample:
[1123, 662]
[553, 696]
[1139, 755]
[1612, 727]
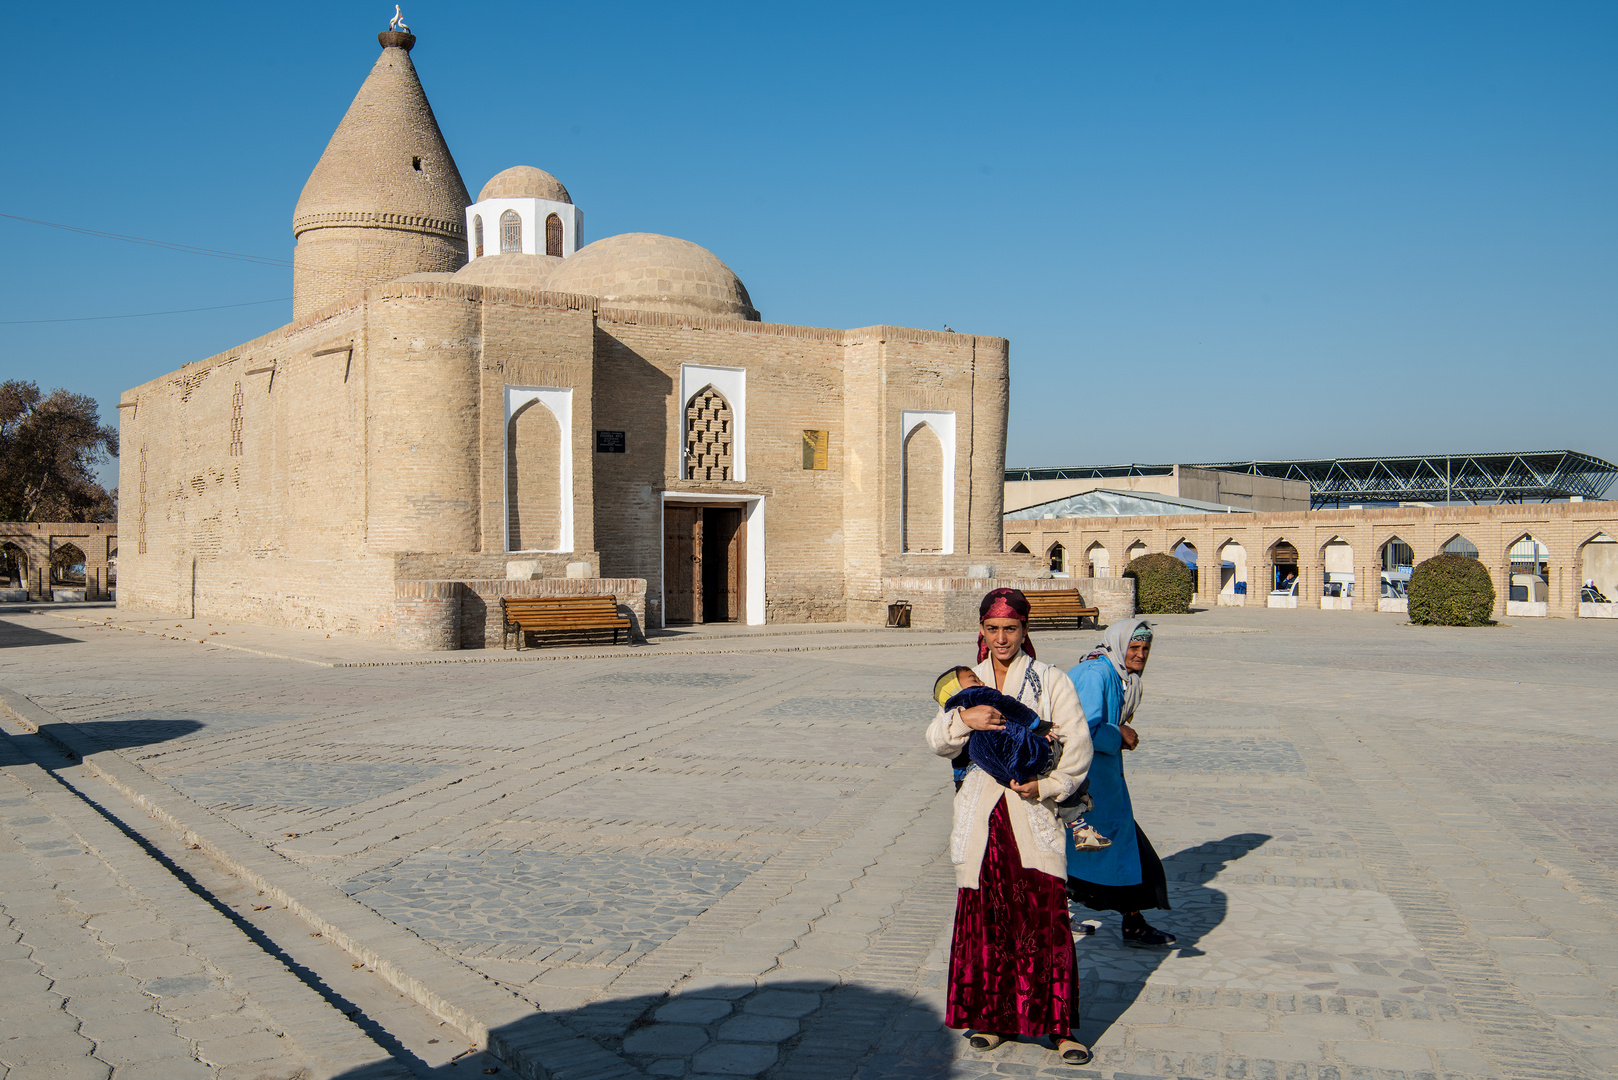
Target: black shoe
[1145, 936]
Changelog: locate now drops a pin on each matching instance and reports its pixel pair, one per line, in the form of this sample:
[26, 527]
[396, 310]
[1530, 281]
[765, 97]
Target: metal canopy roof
[1523, 476]
[1088, 472]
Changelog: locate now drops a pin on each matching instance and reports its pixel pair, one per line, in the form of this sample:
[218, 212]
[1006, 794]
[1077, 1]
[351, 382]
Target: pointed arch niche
[1232, 574]
[539, 468]
[728, 385]
[1097, 561]
[1396, 560]
[1598, 577]
[927, 480]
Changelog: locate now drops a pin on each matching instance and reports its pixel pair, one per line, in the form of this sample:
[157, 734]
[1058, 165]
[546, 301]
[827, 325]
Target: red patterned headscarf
[1004, 604]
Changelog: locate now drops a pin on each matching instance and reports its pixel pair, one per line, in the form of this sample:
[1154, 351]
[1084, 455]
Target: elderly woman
[1128, 876]
[1011, 968]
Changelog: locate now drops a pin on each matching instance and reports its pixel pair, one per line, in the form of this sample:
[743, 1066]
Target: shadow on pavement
[122, 734]
[1198, 910]
[13, 636]
[789, 1030]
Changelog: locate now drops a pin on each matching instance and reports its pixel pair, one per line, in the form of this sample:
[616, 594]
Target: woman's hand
[1028, 790]
[983, 718]
[1129, 735]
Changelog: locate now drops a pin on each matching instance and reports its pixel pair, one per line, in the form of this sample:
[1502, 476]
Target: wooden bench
[572, 615]
[1059, 609]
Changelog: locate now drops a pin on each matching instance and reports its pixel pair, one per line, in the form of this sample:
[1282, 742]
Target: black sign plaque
[609, 442]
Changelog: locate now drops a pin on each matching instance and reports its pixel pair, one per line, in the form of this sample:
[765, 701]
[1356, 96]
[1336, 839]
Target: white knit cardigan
[1041, 842]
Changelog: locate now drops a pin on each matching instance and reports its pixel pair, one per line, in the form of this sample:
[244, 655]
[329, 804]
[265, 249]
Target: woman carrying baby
[1012, 970]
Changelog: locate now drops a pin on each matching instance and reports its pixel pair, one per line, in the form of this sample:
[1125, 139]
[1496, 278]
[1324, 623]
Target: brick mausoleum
[470, 402]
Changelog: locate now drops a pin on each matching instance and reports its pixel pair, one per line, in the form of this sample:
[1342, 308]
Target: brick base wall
[480, 606]
[427, 615]
[952, 603]
[443, 615]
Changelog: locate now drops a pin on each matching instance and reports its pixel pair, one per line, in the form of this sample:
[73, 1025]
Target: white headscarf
[1114, 644]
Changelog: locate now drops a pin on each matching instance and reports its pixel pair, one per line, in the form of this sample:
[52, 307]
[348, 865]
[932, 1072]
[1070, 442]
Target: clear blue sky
[1210, 231]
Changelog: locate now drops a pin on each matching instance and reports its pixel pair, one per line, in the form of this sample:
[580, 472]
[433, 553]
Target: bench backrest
[560, 605]
[1057, 598]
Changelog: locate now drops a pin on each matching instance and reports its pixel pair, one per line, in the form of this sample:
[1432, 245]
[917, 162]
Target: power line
[143, 314]
[190, 249]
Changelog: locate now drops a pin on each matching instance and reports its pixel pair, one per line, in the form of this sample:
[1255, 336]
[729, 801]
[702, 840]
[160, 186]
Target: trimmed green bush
[1163, 585]
[1451, 590]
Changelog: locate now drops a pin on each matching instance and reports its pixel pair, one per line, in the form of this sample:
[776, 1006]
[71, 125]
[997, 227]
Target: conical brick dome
[385, 199]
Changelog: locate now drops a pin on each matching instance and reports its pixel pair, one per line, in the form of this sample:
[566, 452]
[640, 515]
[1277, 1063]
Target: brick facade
[300, 478]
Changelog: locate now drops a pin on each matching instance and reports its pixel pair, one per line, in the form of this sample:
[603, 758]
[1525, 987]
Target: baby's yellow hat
[947, 686]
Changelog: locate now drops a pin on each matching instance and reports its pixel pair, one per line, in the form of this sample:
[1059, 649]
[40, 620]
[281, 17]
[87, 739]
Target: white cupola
[523, 211]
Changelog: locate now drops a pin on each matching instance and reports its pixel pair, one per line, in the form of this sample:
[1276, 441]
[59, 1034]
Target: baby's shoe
[1085, 838]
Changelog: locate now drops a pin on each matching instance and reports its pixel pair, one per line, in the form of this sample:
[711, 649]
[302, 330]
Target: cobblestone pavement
[1390, 849]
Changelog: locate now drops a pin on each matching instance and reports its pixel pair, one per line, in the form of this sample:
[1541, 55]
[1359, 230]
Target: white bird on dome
[398, 22]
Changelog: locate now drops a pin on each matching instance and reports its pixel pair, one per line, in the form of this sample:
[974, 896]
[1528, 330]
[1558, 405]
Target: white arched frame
[731, 382]
[943, 425]
[559, 400]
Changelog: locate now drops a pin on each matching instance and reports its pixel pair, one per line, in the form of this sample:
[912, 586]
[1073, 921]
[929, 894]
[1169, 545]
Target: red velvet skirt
[1012, 970]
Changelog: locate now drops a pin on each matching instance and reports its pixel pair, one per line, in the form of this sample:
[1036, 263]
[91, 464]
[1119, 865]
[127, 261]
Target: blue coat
[1101, 696]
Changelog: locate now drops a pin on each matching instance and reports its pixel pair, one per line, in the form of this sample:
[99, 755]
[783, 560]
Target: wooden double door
[703, 563]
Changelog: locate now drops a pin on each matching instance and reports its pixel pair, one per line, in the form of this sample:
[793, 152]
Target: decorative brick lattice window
[709, 429]
[477, 236]
[140, 516]
[816, 449]
[510, 233]
[236, 421]
[553, 235]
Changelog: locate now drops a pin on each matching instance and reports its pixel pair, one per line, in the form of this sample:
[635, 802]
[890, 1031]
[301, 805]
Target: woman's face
[1135, 656]
[1004, 638]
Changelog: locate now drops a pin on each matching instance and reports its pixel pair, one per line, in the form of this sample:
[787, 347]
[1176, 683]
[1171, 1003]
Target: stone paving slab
[112, 968]
[1385, 844]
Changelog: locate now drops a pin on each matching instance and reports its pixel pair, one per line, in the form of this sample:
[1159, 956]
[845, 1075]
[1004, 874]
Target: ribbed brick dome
[524, 182]
[387, 162]
[510, 271]
[385, 198]
[655, 273]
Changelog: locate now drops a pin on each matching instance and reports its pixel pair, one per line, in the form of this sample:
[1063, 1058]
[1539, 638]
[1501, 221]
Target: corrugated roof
[1103, 502]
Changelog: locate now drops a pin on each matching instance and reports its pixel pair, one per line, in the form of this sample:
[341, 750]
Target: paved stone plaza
[1390, 849]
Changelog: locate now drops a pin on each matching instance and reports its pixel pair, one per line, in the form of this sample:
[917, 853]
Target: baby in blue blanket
[1023, 750]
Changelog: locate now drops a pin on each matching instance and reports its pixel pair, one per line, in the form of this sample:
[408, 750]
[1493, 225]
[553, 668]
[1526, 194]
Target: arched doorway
[1056, 559]
[1232, 574]
[1337, 581]
[1460, 545]
[1528, 569]
[1186, 552]
[1283, 559]
[923, 491]
[1598, 577]
[1395, 560]
[14, 570]
[1020, 548]
[1098, 560]
[67, 572]
[533, 480]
